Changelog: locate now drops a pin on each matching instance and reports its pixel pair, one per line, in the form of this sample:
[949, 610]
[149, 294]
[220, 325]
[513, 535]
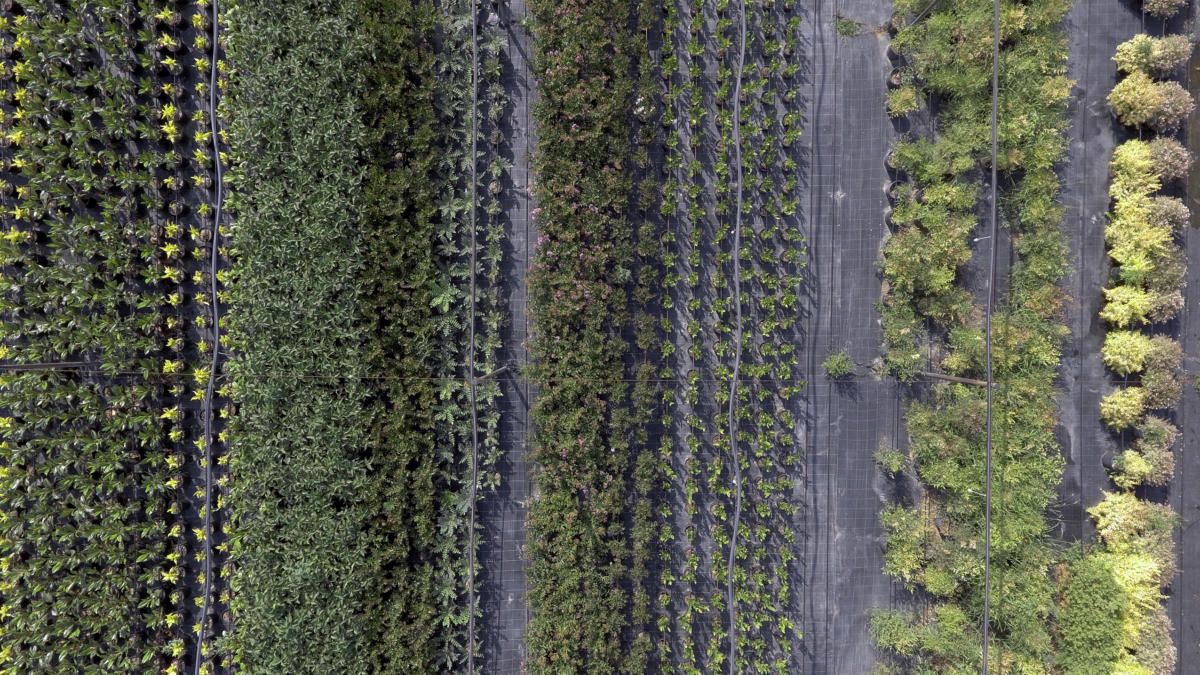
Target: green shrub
[1134, 171]
[1125, 351]
[905, 557]
[890, 460]
[894, 629]
[904, 101]
[845, 27]
[1150, 461]
[1128, 525]
[1091, 617]
[1136, 99]
[1123, 408]
[838, 364]
[1140, 101]
[1156, 56]
[1127, 305]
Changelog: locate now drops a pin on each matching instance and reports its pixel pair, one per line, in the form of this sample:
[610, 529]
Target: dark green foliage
[398, 278]
[578, 302]
[299, 474]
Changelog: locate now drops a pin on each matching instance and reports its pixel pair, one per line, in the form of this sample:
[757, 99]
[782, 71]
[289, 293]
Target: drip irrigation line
[737, 348]
[73, 366]
[471, 342]
[987, 333]
[214, 250]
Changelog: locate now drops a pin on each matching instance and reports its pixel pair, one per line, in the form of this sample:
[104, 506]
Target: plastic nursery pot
[893, 55]
[893, 171]
[893, 190]
[898, 77]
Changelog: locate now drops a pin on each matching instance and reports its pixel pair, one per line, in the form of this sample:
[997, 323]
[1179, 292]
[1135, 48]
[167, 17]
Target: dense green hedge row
[299, 474]
[577, 590]
[97, 162]
[414, 309]
[937, 546]
[353, 441]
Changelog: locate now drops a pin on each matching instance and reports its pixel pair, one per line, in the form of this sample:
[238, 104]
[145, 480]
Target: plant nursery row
[262, 261]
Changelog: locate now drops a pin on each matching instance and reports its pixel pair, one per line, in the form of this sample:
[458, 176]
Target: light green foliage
[1125, 351]
[904, 100]
[1126, 306]
[1123, 408]
[890, 460]
[1136, 99]
[1157, 56]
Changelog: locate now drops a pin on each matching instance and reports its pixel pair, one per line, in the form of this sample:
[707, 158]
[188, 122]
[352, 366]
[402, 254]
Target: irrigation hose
[987, 333]
[737, 339]
[202, 631]
[471, 343]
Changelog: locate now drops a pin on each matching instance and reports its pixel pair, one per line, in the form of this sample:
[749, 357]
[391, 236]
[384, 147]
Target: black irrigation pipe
[471, 343]
[60, 365]
[214, 249]
[737, 331]
[987, 333]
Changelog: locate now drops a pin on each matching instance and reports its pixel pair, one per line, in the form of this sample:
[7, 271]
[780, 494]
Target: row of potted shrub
[578, 591]
[1133, 556]
[98, 560]
[697, 347]
[935, 546]
[352, 456]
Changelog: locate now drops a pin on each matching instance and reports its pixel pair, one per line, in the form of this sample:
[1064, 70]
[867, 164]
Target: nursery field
[599, 336]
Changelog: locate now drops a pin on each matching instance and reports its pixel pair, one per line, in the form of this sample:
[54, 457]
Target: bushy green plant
[1091, 617]
[1126, 306]
[1140, 101]
[892, 461]
[894, 629]
[1156, 56]
[1125, 351]
[838, 364]
[1123, 408]
[1150, 461]
[1136, 99]
[903, 101]
[845, 27]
